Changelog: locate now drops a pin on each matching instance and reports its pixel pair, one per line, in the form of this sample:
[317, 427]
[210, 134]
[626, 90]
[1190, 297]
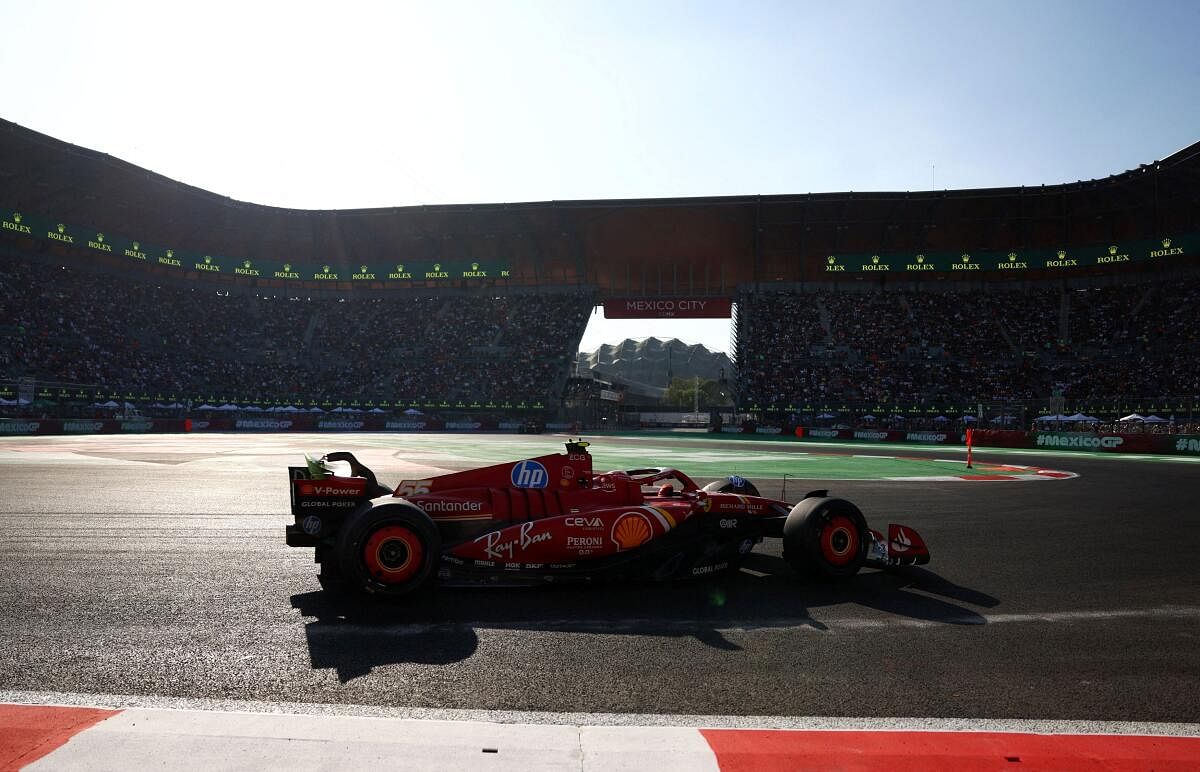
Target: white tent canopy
[1153, 419]
[1131, 417]
[206, 406]
[1081, 418]
[228, 406]
[1048, 418]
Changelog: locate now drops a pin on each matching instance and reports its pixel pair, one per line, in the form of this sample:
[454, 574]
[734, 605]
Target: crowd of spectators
[922, 348]
[65, 325]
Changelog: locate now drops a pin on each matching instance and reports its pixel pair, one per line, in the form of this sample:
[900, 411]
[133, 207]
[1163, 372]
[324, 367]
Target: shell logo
[631, 529]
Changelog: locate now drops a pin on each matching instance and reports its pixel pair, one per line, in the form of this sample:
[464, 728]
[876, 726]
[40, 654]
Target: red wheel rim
[839, 541]
[393, 554]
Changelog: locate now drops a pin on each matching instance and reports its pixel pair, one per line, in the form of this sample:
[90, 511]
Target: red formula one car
[552, 519]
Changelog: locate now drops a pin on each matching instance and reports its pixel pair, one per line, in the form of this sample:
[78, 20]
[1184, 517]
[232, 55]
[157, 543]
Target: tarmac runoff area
[149, 574]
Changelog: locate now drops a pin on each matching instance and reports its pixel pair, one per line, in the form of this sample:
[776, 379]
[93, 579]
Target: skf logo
[529, 474]
[832, 264]
[399, 273]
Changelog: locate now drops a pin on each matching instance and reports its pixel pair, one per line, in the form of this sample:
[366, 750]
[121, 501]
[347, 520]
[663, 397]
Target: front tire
[389, 551]
[826, 538]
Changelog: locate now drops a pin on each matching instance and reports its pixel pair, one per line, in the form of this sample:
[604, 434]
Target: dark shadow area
[354, 635]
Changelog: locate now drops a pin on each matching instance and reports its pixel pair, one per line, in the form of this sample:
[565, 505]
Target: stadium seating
[965, 347]
[60, 324]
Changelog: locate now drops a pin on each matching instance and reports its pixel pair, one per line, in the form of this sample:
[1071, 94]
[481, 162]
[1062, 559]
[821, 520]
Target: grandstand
[120, 283]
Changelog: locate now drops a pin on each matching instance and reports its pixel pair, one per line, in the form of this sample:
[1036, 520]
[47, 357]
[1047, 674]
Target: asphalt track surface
[156, 566]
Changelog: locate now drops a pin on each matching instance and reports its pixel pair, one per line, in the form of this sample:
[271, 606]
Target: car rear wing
[321, 498]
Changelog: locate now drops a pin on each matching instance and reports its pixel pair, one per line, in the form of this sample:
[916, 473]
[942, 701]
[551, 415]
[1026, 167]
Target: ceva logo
[529, 474]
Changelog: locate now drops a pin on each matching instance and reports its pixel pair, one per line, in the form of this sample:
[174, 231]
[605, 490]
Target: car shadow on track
[355, 635]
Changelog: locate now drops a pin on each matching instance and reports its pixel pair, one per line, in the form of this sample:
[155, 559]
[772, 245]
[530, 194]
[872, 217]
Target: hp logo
[529, 474]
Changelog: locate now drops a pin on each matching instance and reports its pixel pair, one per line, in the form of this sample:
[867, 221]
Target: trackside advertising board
[99, 240]
[880, 435]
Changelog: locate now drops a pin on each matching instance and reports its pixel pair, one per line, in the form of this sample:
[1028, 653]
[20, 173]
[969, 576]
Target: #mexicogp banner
[15, 222]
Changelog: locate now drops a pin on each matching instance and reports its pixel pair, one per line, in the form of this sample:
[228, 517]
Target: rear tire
[826, 539]
[389, 551]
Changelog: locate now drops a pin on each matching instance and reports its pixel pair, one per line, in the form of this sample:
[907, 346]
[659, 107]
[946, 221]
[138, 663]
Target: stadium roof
[718, 240]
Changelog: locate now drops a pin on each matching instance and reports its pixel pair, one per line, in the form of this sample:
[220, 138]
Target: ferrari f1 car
[552, 519]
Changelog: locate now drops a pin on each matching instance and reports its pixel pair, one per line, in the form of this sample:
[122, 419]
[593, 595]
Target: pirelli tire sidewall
[394, 521]
[825, 538]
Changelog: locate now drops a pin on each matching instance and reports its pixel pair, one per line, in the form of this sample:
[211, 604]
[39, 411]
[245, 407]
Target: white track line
[834, 723]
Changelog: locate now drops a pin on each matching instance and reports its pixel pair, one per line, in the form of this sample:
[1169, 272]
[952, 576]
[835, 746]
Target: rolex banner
[964, 263]
[15, 222]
